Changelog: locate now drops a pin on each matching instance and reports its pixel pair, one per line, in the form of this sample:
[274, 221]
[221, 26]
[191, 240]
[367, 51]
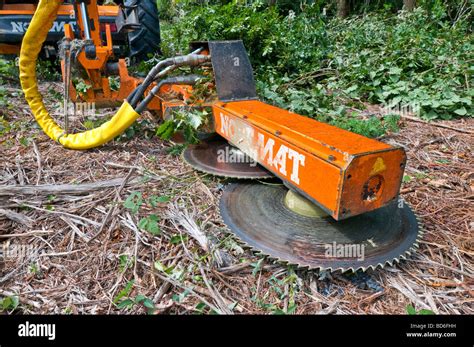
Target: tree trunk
[343, 8]
[409, 5]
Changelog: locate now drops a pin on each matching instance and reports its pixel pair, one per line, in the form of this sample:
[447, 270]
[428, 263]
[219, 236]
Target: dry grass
[90, 246]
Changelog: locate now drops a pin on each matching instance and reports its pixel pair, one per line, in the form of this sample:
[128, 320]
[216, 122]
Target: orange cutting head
[344, 173]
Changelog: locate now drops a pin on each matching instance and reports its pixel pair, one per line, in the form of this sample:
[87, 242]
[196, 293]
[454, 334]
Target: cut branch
[49, 189]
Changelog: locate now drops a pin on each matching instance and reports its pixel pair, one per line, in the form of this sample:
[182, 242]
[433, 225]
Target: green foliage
[285, 289]
[156, 200]
[133, 202]
[412, 311]
[125, 262]
[33, 269]
[3, 104]
[143, 127]
[177, 239]
[24, 141]
[8, 69]
[9, 303]
[372, 127]
[80, 85]
[89, 124]
[166, 130]
[318, 65]
[180, 297]
[146, 302]
[150, 224]
[4, 125]
[257, 266]
[125, 292]
[412, 59]
[262, 29]
[174, 272]
[48, 70]
[407, 179]
[114, 83]
[177, 149]
[124, 301]
[187, 121]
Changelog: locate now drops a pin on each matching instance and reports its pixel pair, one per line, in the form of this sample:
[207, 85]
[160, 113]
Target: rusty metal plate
[232, 71]
[257, 214]
[217, 157]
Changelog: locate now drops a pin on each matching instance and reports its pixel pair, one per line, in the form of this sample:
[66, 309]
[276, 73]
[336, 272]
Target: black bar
[242, 330]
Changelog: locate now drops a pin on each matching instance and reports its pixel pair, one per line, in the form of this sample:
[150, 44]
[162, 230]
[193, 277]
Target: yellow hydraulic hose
[32, 42]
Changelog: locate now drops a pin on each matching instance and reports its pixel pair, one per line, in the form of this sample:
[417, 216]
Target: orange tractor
[15, 17]
[334, 199]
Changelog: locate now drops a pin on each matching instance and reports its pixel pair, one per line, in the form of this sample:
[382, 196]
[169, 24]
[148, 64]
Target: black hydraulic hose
[190, 79]
[191, 59]
[132, 94]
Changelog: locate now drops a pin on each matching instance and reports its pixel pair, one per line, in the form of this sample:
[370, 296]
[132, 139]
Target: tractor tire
[145, 41]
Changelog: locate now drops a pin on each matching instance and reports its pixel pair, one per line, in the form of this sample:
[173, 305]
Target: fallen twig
[50, 189]
[439, 125]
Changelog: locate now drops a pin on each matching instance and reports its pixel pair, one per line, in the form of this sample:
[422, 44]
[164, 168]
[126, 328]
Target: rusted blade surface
[257, 214]
[217, 157]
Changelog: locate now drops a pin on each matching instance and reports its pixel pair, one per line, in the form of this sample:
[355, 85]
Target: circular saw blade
[217, 157]
[257, 214]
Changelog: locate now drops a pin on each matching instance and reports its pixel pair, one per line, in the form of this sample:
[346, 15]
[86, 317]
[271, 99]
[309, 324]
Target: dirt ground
[80, 249]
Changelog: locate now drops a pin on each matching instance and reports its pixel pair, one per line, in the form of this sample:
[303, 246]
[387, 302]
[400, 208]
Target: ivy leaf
[176, 239]
[194, 120]
[150, 224]
[411, 310]
[125, 292]
[395, 71]
[461, 111]
[166, 130]
[125, 303]
[10, 303]
[155, 200]
[133, 202]
[148, 303]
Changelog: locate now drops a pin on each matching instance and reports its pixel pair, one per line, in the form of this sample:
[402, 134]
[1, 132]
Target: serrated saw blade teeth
[217, 157]
[257, 214]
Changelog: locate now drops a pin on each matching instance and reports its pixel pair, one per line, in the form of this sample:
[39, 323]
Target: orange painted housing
[344, 173]
[106, 10]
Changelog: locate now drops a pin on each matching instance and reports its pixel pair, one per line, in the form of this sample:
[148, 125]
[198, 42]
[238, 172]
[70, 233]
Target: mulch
[75, 248]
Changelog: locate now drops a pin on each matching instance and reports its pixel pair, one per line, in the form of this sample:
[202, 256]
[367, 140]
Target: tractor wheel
[146, 40]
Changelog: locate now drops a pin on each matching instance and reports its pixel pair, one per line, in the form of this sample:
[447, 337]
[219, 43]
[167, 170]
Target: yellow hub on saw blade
[299, 204]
